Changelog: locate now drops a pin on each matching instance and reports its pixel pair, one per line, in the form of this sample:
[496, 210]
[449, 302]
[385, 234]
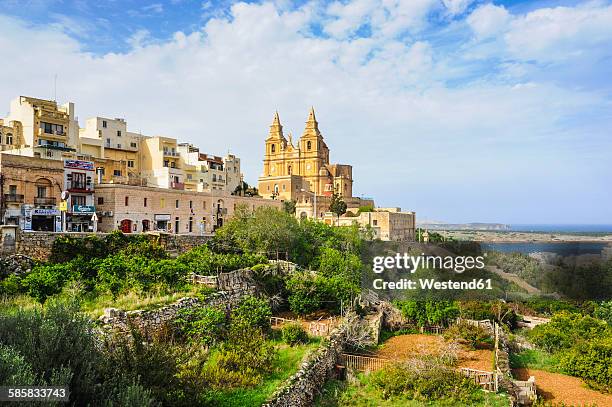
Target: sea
[559, 228]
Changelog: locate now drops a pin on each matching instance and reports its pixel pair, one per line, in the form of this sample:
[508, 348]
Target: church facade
[297, 172]
[291, 171]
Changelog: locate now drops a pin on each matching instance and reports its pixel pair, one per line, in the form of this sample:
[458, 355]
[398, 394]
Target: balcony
[43, 200]
[13, 198]
[177, 185]
[168, 153]
[79, 186]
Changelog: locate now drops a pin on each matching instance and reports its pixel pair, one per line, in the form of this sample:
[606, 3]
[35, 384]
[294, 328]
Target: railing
[17, 198]
[363, 363]
[210, 281]
[432, 329]
[81, 186]
[43, 200]
[171, 153]
[177, 185]
[486, 380]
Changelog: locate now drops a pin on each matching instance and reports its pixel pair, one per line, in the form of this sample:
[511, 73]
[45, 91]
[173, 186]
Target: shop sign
[79, 165]
[162, 217]
[45, 212]
[83, 209]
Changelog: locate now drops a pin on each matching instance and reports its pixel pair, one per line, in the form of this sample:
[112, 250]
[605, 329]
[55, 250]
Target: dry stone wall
[37, 245]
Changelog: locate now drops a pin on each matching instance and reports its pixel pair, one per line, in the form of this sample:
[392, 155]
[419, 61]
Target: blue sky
[463, 110]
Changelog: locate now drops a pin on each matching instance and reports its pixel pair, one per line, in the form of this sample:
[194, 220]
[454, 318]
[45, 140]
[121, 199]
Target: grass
[362, 394]
[286, 365]
[94, 305]
[534, 359]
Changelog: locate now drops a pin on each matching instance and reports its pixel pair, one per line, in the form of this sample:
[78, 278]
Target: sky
[461, 110]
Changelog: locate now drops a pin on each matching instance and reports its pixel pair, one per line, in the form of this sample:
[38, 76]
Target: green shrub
[473, 336]
[46, 280]
[294, 334]
[14, 370]
[202, 260]
[591, 361]
[436, 383]
[242, 360]
[11, 285]
[565, 329]
[204, 324]
[423, 313]
[252, 312]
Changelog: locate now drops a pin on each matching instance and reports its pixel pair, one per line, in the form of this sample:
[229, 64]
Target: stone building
[49, 131]
[299, 172]
[141, 209]
[389, 224]
[31, 189]
[11, 135]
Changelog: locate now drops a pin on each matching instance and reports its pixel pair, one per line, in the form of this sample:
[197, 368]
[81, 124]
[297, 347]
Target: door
[145, 225]
[126, 226]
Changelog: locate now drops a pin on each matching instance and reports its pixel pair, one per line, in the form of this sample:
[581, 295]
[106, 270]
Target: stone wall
[236, 285]
[301, 388]
[37, 245]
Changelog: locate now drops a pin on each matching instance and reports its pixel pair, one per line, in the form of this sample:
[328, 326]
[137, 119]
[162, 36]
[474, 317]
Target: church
[299, 172]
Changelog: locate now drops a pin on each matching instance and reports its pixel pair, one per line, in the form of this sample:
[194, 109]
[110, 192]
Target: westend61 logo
[392, 276]
[408, 262]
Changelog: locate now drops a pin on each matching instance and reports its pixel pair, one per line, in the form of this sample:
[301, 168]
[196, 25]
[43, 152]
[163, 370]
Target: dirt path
[559, 388]
[515, 279]
[404, 347]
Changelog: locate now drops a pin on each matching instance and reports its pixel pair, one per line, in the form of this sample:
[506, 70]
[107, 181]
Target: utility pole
[2, 200]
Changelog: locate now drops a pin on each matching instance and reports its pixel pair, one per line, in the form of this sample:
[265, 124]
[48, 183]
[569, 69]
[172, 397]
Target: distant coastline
[512, 236]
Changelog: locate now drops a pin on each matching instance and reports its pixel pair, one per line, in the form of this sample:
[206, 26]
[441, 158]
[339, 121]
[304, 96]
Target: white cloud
[488, 20]
[456, 7]
[384, 105]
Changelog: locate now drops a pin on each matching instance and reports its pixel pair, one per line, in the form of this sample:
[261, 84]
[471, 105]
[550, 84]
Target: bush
[474, 336]
[252, 312]
[204, 324]
[436, 383]
[242, 359]
[309, 293]
[565, 329]
[424, 313]
[293, 334]
[591, 361]
[45, 281]
[202, 260]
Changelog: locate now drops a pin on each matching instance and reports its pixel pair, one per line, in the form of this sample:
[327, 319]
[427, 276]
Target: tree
[337, 205]
[289, 207]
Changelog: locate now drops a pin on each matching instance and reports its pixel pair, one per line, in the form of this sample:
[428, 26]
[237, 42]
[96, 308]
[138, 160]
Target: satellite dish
[65, 195]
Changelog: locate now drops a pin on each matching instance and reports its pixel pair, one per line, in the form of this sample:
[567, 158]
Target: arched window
[308, 145]
[289, 170]
[273, 149]
[9, 138]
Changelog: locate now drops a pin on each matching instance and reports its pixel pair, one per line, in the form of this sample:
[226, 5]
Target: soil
[403, 347]
[560, 388]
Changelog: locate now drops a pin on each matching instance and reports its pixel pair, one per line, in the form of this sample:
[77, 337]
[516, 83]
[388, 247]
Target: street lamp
[314, 212]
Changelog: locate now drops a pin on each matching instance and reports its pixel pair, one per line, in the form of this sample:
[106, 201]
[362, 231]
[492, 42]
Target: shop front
[162, 222]
[80, 218]
[46, 220]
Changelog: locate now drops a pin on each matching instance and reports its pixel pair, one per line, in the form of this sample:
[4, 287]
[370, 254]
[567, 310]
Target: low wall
[301, 388]
[236, 285]
[37, 245]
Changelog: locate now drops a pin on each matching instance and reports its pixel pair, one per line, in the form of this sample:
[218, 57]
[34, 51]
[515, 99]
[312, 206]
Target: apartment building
[115, 150]
[205, 172]
[48, 130]
[31, 189]
[79, 184]
[141, 209]
[160, 164]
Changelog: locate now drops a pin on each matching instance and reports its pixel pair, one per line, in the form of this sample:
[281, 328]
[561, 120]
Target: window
[134, 227]
[204, 205]
[127, 200]
[100, 200]
[50, 128]
[130, 163]
[118, 145]
[176, 204]
[104, 123]
[9, 138]
[172, 164]
[118, 133]
[108, 142]
[78, 180]
[190, 204]
[308, 145]
[78, 200]
[12, 189]
[162, 203]
[166, 163]
[117, 173]
[145, 202]
[375, 222]
[273, 148]
[133, 145]
[41, 191]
